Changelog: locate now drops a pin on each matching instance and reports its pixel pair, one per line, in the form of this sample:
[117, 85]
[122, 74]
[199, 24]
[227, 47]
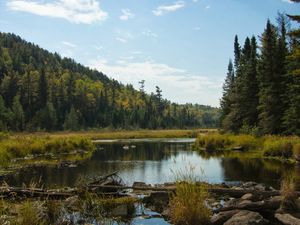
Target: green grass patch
[268, 146]
[29, 146]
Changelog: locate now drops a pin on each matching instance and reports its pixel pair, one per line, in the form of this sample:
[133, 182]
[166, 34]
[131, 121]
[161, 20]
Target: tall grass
[289, 200]
[21, 146]
[268, 146]
[32, 213]
[221, 142]
[188, 204]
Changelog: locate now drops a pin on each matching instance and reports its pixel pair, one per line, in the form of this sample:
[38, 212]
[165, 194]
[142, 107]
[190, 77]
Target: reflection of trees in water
[112, 158]
[258, 170]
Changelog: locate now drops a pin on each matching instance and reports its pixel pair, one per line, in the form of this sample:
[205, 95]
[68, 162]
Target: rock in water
[246, 217]
[222, 217]
[287, 219]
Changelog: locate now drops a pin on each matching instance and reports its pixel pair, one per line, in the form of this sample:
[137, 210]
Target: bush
[212, 142]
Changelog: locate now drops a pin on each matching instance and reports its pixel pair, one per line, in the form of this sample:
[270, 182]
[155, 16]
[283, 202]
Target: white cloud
[195, 0]
[149, 33]
[288, 1]
[126, 14]
[207, 7]
[177, 85]
[121, 40]
[197, 28]
[75, 11]
[163, 9]
[68, 44]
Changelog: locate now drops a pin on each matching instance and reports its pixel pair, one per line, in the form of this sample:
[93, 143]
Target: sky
[181, 46]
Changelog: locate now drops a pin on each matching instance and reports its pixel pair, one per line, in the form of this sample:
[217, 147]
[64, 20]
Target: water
[158, 161]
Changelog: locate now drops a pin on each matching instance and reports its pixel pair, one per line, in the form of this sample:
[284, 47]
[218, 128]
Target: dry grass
[289, 201]
[188, 204]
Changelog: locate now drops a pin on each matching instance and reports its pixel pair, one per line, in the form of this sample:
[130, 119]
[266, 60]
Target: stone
[72, 203]
[120, 210]
[246, 217]
[248, 196]
[139, 184]
[222, 217]
[287, 219]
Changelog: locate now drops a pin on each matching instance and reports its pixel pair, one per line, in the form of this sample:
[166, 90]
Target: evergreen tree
[291, 116]
[18, 117]
[42, 90]
[71, 122]
[226, 101]
[269, 83]
[4, 115]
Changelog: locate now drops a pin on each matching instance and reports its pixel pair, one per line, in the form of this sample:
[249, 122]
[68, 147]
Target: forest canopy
[261, 92]
[40, 90]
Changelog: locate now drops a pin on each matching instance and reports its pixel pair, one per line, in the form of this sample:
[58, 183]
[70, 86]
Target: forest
[262, 86]
[41, 91]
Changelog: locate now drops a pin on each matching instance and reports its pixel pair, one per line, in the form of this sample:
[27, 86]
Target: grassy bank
[128, 134]
[20, 146]
[268, 146]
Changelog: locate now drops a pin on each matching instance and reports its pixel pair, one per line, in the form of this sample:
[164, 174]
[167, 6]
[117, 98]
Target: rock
[260, 187]
[222, 217]
[249, 184]
[248, 196]
[120, 210]
[246, 217]
[287, 219]
[238, 148]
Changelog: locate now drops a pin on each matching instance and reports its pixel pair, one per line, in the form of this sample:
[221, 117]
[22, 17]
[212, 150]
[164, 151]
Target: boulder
[248, 196]
[287, 219]
[222, 217]
[246, 217]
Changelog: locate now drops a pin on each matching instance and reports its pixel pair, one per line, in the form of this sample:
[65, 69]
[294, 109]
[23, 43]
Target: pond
[158, 161]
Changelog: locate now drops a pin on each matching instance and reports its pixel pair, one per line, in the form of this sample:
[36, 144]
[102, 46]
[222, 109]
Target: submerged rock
[246, 217]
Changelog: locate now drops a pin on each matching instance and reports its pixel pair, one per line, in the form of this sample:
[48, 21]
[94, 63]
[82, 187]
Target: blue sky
[181, 46]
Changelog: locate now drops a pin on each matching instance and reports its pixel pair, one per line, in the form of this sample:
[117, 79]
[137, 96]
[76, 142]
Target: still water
[158, 161]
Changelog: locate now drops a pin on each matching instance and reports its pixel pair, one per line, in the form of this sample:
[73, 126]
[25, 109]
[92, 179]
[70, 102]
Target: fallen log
[222, 191]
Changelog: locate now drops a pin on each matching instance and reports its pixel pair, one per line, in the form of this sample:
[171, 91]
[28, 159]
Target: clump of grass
[278, 148]
[188, 204]
[212, 142]
[289, 201]
[31, 213]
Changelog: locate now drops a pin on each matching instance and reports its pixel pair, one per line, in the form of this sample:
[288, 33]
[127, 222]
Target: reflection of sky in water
[168, 169]
[158, 162]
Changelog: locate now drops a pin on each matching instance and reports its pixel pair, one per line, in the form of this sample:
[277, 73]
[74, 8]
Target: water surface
[158, 161]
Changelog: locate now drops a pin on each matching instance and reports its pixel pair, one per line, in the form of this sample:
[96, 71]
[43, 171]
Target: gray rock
[222, 217]
[248, 196]
[287, 219]
[246, 217]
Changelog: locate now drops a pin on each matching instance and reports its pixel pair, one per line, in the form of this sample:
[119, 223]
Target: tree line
[43, 91]
[261, 92]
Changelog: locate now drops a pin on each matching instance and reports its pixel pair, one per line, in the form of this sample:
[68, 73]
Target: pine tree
[226, 102]
[72, 121]
[42, 90]
[291, 117]
[18, 116]
[4, 115]
[269, 83]
[237, 52]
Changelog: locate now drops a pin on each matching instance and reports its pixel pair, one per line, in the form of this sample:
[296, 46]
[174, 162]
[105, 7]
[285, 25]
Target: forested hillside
[261, 93]
[43, 91]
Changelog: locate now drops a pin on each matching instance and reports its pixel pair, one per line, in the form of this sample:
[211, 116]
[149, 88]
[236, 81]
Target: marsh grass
[268, 146]
[188, 204]
[287, 190]
[278, 148]
[22, 146]
[32, 213]
[223, 142]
